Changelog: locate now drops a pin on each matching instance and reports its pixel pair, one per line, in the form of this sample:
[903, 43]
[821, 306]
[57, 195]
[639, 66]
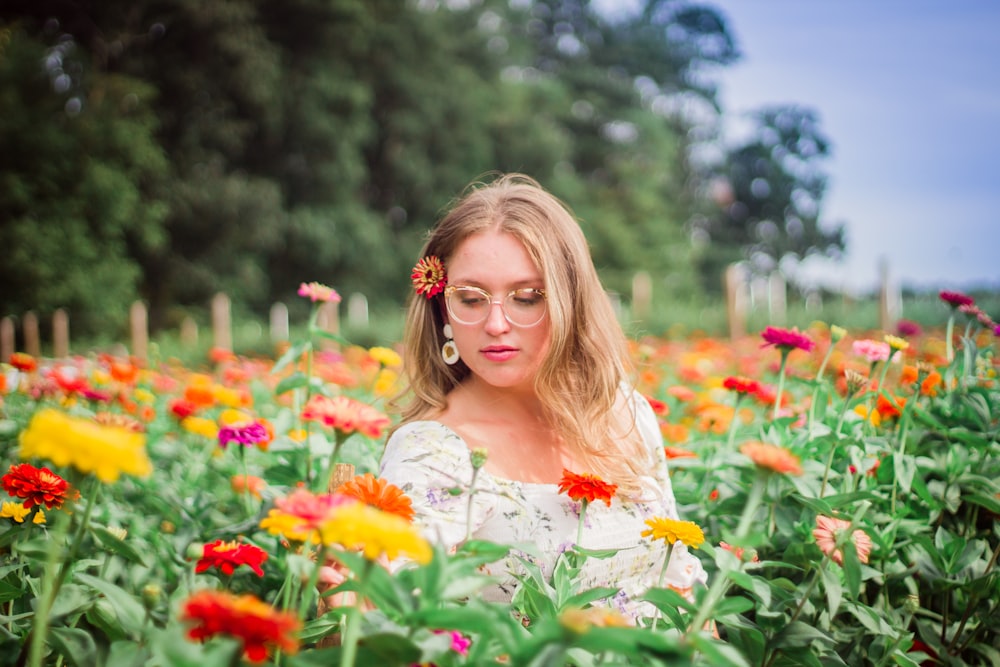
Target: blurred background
[165, 151]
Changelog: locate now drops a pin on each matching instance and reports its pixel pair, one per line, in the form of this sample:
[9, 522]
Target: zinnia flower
[956, 299]
[346, 415]
[107, 451]
[772, 457]
[678, 452]
[429, 277]
[896, 343]
[386, 356]
[379, 494]
[16, 511]
[787, 339]
[319, 292]
[586, 487]
[739, 552]
[23, 362]
[580, 621]
[227, 556]
[855, 381]
[299, 515]
[673, 530]
[255, 623]
[741, 385]
[38, 486]
[829, 530]
[243, 434]
[872, 350]
[247, 484]
[375, 533]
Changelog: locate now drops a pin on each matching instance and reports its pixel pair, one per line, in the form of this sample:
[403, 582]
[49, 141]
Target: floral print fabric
[428, 460]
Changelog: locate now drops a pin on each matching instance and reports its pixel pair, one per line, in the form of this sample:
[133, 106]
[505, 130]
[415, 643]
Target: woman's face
[499, 353]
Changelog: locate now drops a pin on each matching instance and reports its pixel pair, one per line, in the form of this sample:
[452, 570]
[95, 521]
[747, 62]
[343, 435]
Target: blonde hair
[580, 381]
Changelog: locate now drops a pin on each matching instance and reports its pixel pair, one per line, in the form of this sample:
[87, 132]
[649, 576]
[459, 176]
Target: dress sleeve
[431, 464]
[684, 569]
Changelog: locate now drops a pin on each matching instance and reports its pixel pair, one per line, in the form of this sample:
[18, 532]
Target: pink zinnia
[828, 531]
[872, 350]
[956, 299]
[319, 292]
[787, 339]
[244, 434]
[346, 415]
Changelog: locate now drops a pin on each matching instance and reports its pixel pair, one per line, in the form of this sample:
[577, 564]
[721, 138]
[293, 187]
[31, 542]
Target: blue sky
[908, 92]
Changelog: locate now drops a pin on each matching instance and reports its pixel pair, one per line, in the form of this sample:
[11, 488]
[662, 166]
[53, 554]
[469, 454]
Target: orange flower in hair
[429, 277]
[586, 487]
[378, 493]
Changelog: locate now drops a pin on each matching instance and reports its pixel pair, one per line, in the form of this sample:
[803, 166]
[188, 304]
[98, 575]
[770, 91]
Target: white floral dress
[427, 460]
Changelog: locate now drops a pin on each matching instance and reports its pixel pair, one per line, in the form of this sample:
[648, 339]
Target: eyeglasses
[472, 305]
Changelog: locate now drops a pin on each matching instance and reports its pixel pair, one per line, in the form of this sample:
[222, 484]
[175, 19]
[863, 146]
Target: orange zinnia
[772, 457]
[254, 622]
[586, 487]
[678, 453]
[378, 493]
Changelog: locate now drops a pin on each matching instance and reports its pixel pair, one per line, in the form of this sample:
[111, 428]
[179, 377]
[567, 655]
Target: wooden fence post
[328, 319]
[7, 339]
[736, 300]
[189, 332]
[279, 323]
[60, 334]
[642, 295]
[776, 297]
[138, 323]
[222, 328]
[357, 310]
[32, 341]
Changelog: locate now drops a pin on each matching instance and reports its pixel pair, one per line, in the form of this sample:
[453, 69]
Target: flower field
[841, 488]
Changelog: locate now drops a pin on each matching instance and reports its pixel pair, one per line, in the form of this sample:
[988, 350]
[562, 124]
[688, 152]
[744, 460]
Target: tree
[768, 195]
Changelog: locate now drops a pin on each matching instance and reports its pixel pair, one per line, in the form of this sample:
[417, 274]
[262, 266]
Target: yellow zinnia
[374, 532]
[896, 343]
[386, 356]
[201, 426]
[106, 451]
[672, 530]
[15, 511]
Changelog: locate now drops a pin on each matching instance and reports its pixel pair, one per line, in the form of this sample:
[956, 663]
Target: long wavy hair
[580, 381]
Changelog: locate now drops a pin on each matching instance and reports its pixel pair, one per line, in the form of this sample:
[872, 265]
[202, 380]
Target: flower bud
[478, 456]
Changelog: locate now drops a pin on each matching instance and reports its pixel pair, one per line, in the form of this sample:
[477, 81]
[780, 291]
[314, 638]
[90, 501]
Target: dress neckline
[547, 486]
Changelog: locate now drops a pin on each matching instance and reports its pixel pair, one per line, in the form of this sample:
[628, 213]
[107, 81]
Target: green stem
[753, 501]
[659, 581]
[468, 515]
[819, 382]
[307, 594]
[826, 471]
[734, 423]
[949, 331]
[579, 526]
[781, 384]
[352, 631]
[972, 603]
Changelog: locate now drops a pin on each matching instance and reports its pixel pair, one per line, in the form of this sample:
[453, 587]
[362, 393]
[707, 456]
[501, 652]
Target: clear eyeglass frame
[451, 290]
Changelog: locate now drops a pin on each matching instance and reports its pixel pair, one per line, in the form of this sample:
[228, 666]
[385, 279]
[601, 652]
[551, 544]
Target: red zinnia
[741, 385]
[956, 299]
[429, 277]
[38, 486]
[182, 408]
[227, 556]
[346, 415]
[586, 487]
[245, 617]
[23, 362]
[787, 339]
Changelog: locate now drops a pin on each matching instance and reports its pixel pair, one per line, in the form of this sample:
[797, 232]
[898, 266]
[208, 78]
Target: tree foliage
[169, 149]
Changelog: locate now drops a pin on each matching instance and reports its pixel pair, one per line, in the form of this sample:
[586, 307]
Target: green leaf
[732, 606]
[117, 546]
[76, 645]
[294, 381]
[905, 467]
[799, 634]
[833, 589]
[290, 355]
[718, 652]
[127, 654]
[129, 610]
[392, 648]
[586, 597]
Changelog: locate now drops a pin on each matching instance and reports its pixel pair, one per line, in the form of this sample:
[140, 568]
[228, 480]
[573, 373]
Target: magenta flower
[956, 299]
[872, 350]
[787, 339]
[243, 434]
[908, 328]
[319, 292]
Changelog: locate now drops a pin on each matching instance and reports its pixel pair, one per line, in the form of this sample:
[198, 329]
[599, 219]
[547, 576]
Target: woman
[512, 347]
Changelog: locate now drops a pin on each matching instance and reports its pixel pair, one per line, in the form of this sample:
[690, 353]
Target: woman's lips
[498, 352]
